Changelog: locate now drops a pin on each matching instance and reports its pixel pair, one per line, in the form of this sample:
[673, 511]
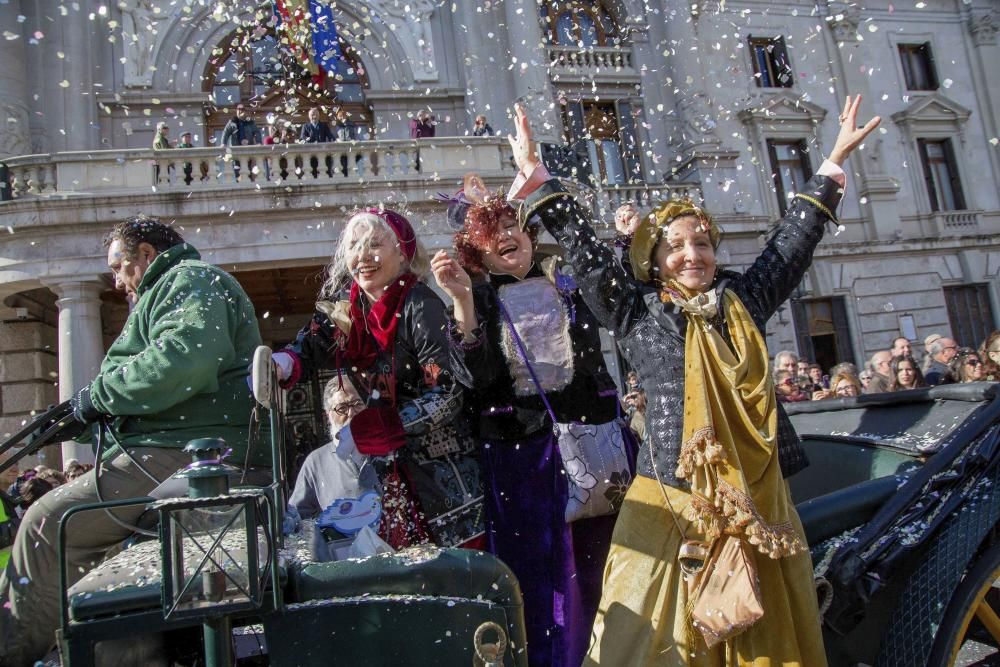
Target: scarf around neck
[729, 452]
[375, 330]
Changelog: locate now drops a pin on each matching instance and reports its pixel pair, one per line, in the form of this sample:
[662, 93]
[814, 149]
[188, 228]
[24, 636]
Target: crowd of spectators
[895, 369]
[20, 490]
[242, 130]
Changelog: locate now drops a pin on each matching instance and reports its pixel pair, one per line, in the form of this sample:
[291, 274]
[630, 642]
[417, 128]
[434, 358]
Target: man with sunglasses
[330, 473]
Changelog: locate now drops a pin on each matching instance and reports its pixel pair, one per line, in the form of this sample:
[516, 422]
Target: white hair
[358, 233]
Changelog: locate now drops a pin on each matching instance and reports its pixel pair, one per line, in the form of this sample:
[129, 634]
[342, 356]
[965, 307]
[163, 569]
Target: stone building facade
[734, 101]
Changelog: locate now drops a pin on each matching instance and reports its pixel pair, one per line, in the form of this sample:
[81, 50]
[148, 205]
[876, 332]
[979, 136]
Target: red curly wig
[482, 227]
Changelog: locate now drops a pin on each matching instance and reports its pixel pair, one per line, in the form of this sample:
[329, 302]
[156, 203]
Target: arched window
[582, 24]
[252, 69]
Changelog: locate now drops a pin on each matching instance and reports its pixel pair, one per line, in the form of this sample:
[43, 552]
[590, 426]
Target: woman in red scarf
[378, 322]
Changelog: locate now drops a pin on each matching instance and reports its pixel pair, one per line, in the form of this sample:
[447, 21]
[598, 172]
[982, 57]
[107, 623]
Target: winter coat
[439, 456]
[237, 131]
[178, 369]
[589, 397]
[420, 130]
[651, 334]
[938, 373]
[318, 133]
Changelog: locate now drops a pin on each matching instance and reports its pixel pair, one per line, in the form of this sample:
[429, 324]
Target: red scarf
[376, 331]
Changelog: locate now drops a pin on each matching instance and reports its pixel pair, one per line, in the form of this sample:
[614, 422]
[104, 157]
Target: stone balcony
[596, 62]
[253, 167]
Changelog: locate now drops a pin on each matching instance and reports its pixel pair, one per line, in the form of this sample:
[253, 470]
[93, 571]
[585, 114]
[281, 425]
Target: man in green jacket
[177, 371]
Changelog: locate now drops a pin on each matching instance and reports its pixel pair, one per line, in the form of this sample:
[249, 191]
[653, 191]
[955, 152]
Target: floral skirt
[641, 619]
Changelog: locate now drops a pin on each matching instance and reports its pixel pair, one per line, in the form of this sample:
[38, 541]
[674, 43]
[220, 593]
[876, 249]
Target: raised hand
[851, 135]
[626, 219]
[451, 277]
[523, 145]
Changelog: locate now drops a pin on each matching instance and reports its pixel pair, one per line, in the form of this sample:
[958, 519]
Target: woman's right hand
[451, 277]
[522, 143]
[821, 394]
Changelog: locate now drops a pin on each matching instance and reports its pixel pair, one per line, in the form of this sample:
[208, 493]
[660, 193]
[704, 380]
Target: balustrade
[592, 60]
[84, 173]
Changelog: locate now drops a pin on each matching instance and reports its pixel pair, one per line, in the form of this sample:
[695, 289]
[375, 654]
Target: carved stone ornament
[844, 24]
[984, 27]
[142, 28]
[410, 22]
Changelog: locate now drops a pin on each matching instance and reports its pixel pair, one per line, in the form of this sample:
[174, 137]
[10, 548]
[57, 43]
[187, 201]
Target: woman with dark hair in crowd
[905, 374]
[376, 318]
[711, 469]
[523, 299]
[967, 366]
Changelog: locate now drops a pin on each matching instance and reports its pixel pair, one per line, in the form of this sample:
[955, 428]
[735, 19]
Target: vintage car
[900, 507]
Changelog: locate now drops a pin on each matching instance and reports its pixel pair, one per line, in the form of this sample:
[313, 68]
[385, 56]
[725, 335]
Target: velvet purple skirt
[559, 565]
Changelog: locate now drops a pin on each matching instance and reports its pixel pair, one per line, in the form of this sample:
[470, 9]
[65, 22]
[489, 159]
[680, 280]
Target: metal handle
[489, 655]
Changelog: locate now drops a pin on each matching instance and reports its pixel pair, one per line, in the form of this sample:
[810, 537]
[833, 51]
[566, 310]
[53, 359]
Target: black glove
[83, 408]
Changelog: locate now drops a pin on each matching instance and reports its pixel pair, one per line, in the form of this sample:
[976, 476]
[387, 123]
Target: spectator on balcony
[186, 142]
[482, 128]
[345, 131]
[316, 131]
[423, 125]
[905, 373]
[241, 130]
[273, 135]
[161, 141]
[287, 134]
[940, 352]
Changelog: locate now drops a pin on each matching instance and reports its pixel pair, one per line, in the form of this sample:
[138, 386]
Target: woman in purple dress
[559, 564]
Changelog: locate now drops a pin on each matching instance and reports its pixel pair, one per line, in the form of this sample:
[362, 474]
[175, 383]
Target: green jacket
[178, 370]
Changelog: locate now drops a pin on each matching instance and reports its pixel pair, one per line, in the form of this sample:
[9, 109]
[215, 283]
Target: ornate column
[81, 346]
[14, 134]
[530, 61]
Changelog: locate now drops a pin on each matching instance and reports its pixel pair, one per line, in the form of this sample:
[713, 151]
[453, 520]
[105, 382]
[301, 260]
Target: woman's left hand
[523, 145]
[851, 135]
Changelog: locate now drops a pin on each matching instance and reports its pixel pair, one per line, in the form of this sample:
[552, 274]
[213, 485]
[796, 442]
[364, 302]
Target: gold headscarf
[651, 229]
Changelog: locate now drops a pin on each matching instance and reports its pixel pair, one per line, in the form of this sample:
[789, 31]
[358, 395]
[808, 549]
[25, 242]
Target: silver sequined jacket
[651, 334]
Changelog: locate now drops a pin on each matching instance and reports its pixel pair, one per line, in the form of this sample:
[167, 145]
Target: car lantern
[214, 562]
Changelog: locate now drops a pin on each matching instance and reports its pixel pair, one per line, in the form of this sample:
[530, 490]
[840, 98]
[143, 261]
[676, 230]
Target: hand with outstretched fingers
[522, 143]
[851, 136]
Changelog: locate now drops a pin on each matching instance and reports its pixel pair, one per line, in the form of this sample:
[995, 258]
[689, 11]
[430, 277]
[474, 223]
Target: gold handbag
[727, 598]
[722, 585]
